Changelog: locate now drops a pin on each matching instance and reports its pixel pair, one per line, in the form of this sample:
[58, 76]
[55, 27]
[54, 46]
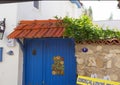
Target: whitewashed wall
[9, 65]
[47, 10]
[112, 24]
[26, 11]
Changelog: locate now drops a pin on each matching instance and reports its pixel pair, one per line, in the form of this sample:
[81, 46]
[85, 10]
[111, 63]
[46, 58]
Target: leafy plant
[83, 29]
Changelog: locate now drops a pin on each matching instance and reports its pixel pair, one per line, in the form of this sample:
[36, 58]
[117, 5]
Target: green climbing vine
[83, 29]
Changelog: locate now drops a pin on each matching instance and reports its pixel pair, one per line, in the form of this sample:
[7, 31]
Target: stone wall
[100, 59]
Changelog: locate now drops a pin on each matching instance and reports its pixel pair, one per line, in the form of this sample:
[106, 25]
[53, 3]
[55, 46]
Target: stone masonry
[100, 59]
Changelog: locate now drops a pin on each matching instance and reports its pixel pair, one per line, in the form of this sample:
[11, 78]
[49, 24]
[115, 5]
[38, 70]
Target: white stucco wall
[47, 10]
[9, 65]
[111, 24]
[26, 11]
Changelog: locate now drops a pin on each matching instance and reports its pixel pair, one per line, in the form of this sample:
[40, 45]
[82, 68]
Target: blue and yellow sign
[82, 80]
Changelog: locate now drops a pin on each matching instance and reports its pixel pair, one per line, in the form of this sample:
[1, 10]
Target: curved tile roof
[38, 29]
[113, 41]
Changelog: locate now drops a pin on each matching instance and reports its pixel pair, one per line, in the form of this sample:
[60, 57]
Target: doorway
[49, 61]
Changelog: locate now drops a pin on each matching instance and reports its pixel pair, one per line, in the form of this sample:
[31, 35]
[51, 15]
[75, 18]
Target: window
[36, 4]
[1, 54]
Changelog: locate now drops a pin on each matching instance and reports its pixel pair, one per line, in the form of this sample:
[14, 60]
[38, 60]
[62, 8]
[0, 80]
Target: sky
[103, 9]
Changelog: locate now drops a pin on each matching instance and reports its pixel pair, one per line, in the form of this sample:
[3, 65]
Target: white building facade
[12, 65]
[111, 24]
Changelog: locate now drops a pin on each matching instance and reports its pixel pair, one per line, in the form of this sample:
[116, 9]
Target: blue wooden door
[33, 62]
[40, 57]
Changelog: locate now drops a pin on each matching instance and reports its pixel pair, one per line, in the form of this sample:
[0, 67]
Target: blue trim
[1, 49]
[23, 75]
[77, 2]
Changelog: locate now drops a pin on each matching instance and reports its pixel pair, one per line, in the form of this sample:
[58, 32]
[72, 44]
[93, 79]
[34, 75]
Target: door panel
[39, 60]
[65, 49]
[34, 63]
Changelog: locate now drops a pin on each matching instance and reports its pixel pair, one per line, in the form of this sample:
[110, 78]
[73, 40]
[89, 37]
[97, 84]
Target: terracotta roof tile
[59, 33]
[32, 33]
[15, 33]
[20, 26]
[51, 34]
[113, 41]
[41, 33]
[38, 29]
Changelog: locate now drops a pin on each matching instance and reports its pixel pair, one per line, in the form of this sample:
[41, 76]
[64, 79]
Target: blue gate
[49, 61]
